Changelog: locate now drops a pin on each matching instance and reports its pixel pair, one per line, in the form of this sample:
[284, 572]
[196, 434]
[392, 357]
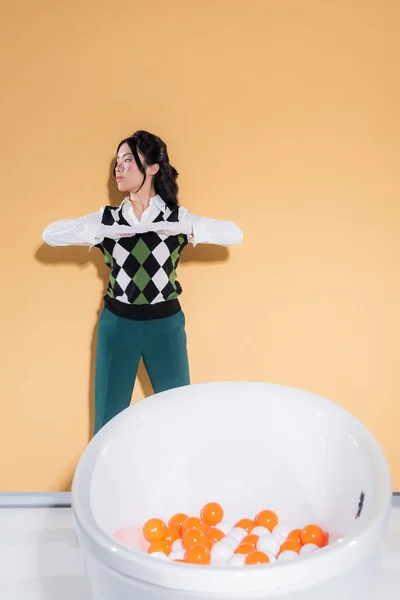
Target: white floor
[40, 558]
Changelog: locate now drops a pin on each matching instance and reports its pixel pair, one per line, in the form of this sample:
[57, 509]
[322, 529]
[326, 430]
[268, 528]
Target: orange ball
[154, 530]
[171, 535]
[193, 537]
[215, 535]
[251, 539]
[246, 524]
[294, 535]
[192, 523]
[312, 534]
[208, 543]
[256, 558]
[198, 555]
[290, 545]
[159, 547]
[267, 518]
[244, 549]
[176, 521]
[178, 560]
[212, 513]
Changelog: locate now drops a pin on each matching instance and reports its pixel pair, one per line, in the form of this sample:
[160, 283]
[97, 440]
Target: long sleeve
[89, 230]
[212, 231]
[83, 231]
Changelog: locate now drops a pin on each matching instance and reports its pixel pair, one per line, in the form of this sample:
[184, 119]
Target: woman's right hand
[116, 231]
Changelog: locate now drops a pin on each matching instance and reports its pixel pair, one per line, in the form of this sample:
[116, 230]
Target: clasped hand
[163, 228]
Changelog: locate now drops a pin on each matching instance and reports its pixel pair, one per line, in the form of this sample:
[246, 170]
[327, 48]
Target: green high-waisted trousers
[121, 343]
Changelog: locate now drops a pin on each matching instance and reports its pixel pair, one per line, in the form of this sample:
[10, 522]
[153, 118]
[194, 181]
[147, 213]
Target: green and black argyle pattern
[142, 267]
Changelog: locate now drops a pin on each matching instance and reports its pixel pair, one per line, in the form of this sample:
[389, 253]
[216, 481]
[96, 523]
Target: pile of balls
[209, 539]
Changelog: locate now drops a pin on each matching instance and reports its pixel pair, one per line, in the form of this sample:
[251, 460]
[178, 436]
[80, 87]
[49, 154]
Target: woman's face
[127, 174]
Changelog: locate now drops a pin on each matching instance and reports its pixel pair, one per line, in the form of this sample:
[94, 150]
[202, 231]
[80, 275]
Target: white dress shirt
[89, 230]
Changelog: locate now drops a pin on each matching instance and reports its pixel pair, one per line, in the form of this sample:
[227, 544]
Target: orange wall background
[280, 115]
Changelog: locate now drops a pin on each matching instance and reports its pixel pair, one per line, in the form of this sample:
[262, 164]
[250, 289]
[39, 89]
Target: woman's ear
[153, 169]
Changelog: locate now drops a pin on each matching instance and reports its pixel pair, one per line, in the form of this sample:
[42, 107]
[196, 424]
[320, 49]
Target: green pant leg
[119, 348]
[165, 352]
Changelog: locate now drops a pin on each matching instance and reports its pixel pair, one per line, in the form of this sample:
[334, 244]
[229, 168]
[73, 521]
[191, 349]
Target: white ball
[159, 555]
[268, 544]
[221, 552]
[308, 549]
[177, 555]
[260, 531]
[272, 557]
[231, 541]
[281, 531]
[225, 526]
[287, 556]
[238, 533]
[237, 560]
[177, 545]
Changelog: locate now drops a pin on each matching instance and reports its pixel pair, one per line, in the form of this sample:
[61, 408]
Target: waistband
[142, 312]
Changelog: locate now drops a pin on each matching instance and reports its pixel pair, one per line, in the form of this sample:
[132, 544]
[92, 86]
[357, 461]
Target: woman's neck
[140, 202]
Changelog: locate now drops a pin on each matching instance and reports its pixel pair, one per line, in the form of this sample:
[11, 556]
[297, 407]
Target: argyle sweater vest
[142, 282]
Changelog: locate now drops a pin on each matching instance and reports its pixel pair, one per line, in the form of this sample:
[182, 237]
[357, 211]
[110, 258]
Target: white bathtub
[248, 446]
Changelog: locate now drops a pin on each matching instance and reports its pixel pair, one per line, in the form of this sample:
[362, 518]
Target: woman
[141, 240]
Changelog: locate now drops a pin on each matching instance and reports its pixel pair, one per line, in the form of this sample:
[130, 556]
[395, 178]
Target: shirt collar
[156, 200]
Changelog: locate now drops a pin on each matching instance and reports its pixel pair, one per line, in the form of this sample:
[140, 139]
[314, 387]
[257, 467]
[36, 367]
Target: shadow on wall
[80, 256]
